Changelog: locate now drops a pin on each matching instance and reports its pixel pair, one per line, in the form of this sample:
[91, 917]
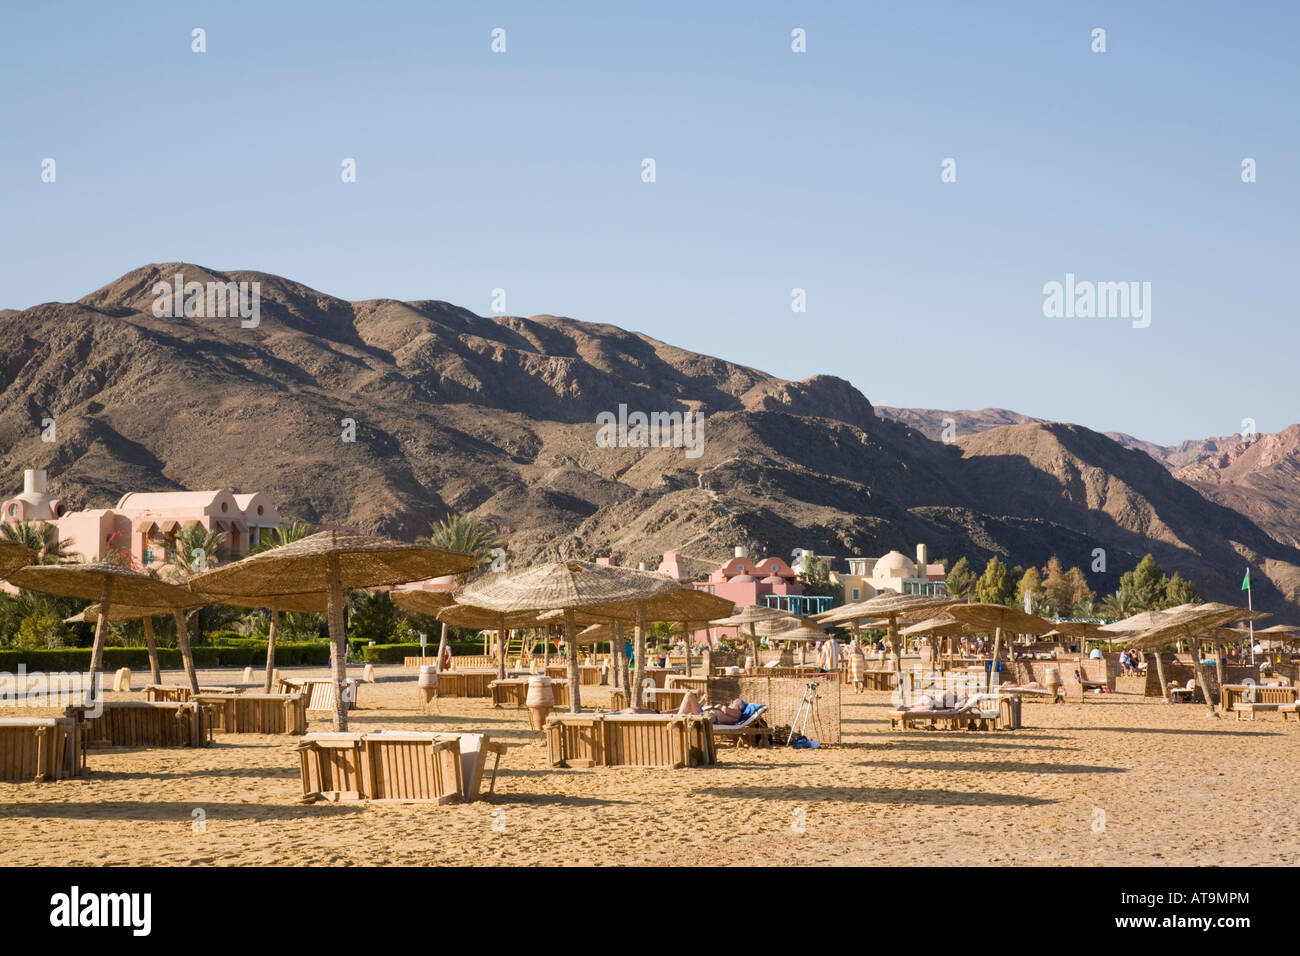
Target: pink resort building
[144, 524]
[768, 582]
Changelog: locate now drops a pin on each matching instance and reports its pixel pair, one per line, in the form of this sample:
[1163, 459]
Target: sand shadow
[993, 766]
[181, 813]
[885, 795]
[958, 746]
[292, 773]
[553, 799]
[1196, 733]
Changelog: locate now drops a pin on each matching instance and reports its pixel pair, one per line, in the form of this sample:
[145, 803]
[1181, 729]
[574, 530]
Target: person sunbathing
[728, 714]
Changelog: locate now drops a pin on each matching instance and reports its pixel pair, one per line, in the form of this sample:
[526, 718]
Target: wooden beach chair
[753, 730]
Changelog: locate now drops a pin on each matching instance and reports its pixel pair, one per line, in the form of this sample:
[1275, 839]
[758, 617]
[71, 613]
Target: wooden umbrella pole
[638, 654]
[753, 644]
[187, 654]
[1160, 675]
[155, 671]
[270, 645]
[893, 646]
[571, 639]
[501, 646]
[101, 633]
[338, 637]
[1218, 664]
[442, 648]
[686, 643]
[1200, 673]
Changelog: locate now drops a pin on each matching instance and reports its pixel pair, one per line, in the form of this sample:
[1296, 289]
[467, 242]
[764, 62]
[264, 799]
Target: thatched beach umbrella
[145, 615]
[999, 618]
[798, 630]
[568, 586]
[107, 583]
[1127, 629]
[13, 556]
[330, 562]
[890, 607]
[943, 626]
[290, 603]
[1189, 624]
[427, 597]
[482, 619]
[749, 616]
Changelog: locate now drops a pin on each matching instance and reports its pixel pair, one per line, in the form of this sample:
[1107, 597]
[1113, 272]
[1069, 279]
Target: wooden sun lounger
[1033, 693]
[320, 692]
[1241, 708]
[37, 749]
[1289, 710]
[255, 713]
[753, 730]
[395, 766]
[141, 724]
[637, 740]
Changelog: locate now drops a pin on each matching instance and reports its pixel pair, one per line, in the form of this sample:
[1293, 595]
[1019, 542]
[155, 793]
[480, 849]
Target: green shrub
[314, 654]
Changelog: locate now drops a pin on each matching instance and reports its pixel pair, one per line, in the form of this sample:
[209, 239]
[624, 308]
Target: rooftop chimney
[742, 551]
[34, 481]
[921, 559]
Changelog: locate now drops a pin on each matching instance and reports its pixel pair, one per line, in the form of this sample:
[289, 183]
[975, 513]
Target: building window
[148, 555]
[225, 506]
[856, 592]
[259, 510]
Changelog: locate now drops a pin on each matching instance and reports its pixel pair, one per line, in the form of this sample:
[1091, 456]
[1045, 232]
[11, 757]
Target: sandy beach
[1170, 785]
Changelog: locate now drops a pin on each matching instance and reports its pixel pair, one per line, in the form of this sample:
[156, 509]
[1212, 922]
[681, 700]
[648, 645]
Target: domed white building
[893, 572]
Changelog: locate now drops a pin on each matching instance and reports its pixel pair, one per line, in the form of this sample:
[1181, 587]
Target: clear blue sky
[775, 170]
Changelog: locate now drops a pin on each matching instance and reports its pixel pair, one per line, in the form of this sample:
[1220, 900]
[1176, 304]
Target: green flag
[1245, 584]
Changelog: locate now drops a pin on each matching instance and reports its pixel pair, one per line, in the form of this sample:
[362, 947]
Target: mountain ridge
[497, 416]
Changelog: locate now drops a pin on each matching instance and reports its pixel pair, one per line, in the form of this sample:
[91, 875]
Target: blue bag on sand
[803, 743]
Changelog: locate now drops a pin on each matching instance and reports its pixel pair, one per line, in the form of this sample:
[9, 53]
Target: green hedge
[316, 654]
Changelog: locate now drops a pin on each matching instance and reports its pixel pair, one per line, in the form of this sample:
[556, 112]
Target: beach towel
[828, 658]
[857, 664]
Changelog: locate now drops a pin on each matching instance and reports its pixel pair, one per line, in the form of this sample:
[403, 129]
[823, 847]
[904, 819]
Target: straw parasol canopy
[13, 556]
[477, 618]
[891, 607]
[109, 583]
[145, 615]
[945, 625]
[1189, 623]
[329, 562]
[569, 586]
[420, 600]
[354, 560]
[750, 616]
[993, 617]
[1287, 634]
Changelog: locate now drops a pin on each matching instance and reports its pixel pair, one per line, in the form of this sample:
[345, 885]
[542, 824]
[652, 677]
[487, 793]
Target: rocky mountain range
[498, 416]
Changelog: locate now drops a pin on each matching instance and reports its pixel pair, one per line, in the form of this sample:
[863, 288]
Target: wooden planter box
[466, 683]
[142, 724]
[513, 692]
[395, 766]
[631, 740]
[37, 749]
[255, 713]
[320, 692]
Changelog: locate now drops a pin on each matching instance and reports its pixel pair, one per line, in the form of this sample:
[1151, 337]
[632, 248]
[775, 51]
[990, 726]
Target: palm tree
[470, 535]
[1120, 605]
[41, 537]
[466, 533]
[281, 535]
[195, 551]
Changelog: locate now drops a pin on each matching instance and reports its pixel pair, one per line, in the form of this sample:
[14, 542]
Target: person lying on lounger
[731, 713]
